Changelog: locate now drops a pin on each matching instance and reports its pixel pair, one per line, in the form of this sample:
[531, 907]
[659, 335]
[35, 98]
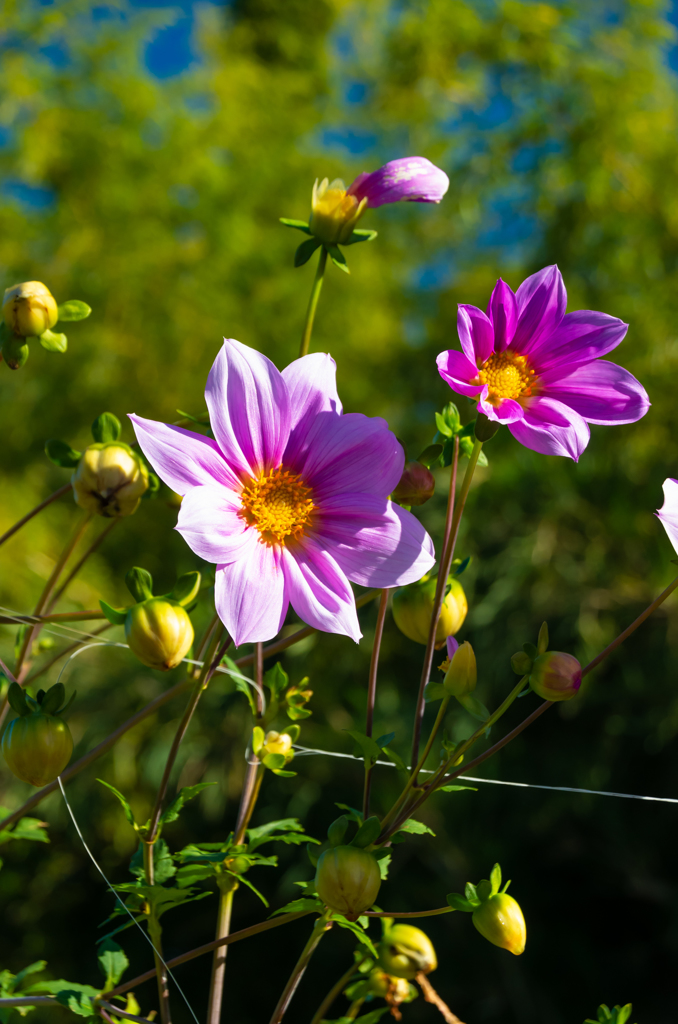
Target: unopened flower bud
[415, 486]
[109, 480]
[29, 309]
[405, 950]
[500, 920]
[413, 606]
[348, 880]
[38, 744]
[334, 213]
[276, 743]
[381, 984]
[555, 676]
[462, 674]
[159, 632]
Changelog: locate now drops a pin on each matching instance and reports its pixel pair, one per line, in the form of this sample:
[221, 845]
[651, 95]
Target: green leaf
[16, 698]
[305, 251]
[457, 902]
[369, 746]
[277, 680]
[455, 789]
[283, 772]
[430, 455]
[353, 926]
[372, 1017]
[182, 797]
[116, 616]
[242, 683]
[396, 758]
[295, 714]
[470, 892]
[186, 588]
[444, 428]
[113, 963]
[273, 761]
[125, 806]
[163, 863]
[361, 235]
[417, 828]
[434, 691]
[61, 454]
[78, 998]
[337, 257]
[25, 828]
[474, 707]
[384, 858]
[246, 881]
[300, 225]
[495, 879]
[139, 583]
[287, 830]
[106, 428]
[74, 309]
[297, 905]
[53, 342]
[351, 813]
[203, 420]
[368, 832]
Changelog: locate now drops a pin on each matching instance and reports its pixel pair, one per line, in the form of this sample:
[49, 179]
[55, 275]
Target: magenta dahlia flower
[291, 499]
[537, 368]
[412, 178]
[668, 513]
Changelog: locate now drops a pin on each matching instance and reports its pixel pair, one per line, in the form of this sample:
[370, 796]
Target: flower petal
[579, 338]
[668, 513]
[318, 589]
[509, 411]
[475, 334]
[209, 523]
[412, 178]
[181, 458]
[503, 312]
[452, 646]
[552, 428]
[456, 370]
[312, 386]
[376, 543]
[250, 593]
[602, 392]
[541, 301]
[351, 453]
[249, 408]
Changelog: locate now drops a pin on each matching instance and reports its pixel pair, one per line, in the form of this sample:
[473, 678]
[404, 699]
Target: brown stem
[408, 913]
[155, 932]
[120, 1013]
[219, 962]
[38, 508]
[62, 654]
[79, 564]
[431, 996]
[372, 693]
[336, 990]
[9, 620]
[321, 926]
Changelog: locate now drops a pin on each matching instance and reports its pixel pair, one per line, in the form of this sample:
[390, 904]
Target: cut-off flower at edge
[668, 513]
[537, 369]
[291, 499]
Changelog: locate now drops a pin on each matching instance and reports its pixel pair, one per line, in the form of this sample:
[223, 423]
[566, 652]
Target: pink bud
[555, 676]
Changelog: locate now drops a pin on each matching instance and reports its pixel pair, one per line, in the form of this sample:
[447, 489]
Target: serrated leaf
[297, 905]
[113, 963]
[305, 251]
[53, 342]
[61, 454]
[246, 881]
[277, 680]
[106, 428]
[417, 828]
[337, 257]
[125, 806]
[73, 309]
[300, 225]
[287, 830]
[183, 796]
[163, 863]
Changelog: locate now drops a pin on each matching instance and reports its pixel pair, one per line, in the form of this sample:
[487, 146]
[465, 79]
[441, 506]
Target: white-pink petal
[250, 593]
[668, 513]
[318, 589]
[312, 387]
[181, 458]
[210, 523]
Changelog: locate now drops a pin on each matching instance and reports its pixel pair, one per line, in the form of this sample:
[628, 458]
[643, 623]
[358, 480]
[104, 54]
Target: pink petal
[249, 409]
[250, 594]
[551, 428]
[668, 513]
[351, 453]
[541, 301]
[579, 338]
[475, 334]
[318, 589]
[456, 370]
[452, 646]
[210, 524]
[377, 543]
[509, 411]
[412, 178]
[503, 312]
[312, 387]
[602, 392]
[181, 458]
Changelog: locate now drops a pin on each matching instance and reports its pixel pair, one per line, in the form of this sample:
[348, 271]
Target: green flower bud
[405, 950]
[413, 605]
[348, 880]
[381, 984]
[334, 213]
[462, 674]
[109, 480]
[555, 676]
[159, 632]
[500, 920]
[416, 485]
[29, 309]
[37, 745]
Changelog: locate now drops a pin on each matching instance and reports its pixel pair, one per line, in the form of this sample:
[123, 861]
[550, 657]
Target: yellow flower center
[507, 375]
[334, 213]
[278, 504]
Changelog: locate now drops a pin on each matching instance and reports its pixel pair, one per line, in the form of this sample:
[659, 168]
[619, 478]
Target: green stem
[320, 927]
[155, 932]
[79, 564]
[38, 508]
[354, 1008]
[336, 990]
[371, 696]
[313, 302]
[409, 913]
[219, 961]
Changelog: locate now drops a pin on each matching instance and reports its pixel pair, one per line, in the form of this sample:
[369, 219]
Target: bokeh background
[146, 153]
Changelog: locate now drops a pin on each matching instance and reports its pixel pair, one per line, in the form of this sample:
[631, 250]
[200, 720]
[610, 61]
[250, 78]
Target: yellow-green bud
[38, 744]
[500, 920]
[381, 984]
[334, 213]
[555, 676]
[462, 674]
[405, 950]
[348, 880]
[159, 632]
[277, 743]
[29, 309]
[413, 606]
[109, 480]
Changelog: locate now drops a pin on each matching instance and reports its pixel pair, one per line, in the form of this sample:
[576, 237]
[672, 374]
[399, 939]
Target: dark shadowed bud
[405, 950]
[413, 606]
[347, 880]
[381, 984]
[415, 486]
[29, 309]
[462, 673]
[500, 920]
[159, 632]
[555, 676]
[110, 480]
[37, 745]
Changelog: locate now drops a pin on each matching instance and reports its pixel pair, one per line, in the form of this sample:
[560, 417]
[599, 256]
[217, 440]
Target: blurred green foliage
[157, 203]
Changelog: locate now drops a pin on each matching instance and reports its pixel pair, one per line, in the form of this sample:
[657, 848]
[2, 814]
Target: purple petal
[503, 312]
[456, 369]
[312, 386]
[411, 178]
[475, 334]
[452, 646]
[318, 589]
[181, 458]
[509, 411]
[249, 409]
[552, 428]
[250, 594]
[579, 338]
[668, 513]
[351, 453]
[376, 543]
[211, 526]
[602, 392]
[541, 301]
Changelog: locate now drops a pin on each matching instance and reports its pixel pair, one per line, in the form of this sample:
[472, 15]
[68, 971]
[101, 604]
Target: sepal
[116, 616]
[305, 251]
[361, 235]
[73, 309]
[337, 257]
[106, 428]
[186, 588]
[300, 225]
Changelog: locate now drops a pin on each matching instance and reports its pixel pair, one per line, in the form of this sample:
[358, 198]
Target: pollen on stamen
[279, 505]
[507, 375]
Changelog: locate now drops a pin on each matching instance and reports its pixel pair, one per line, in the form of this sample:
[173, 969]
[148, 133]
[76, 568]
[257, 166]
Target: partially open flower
[405, 951]
[413, 606]
[461, 673]
[500, 920]
[348, 880]
[159, 632]
[109, 480]
[381, 984]
[29, 309]
[416, 485]
[555, 676]
[277, 743]
[334, 213]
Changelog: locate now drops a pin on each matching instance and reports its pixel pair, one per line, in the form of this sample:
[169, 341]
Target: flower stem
[336, 990]
[313, 302]
[79, 564]
[67, 650]
[320, 927]
[38, 508]
[371, 695]
[155, 932]
[219, 961]
[409, 913]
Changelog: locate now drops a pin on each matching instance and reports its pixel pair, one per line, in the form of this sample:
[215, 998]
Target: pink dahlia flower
[291, 499]
[412, 178]
[668, 513]
[537, 368]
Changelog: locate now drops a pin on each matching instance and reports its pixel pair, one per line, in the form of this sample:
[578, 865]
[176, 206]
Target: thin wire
[122, 903]
[301, 751]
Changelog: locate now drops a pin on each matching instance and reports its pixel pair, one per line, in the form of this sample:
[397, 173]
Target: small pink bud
[555, 676]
